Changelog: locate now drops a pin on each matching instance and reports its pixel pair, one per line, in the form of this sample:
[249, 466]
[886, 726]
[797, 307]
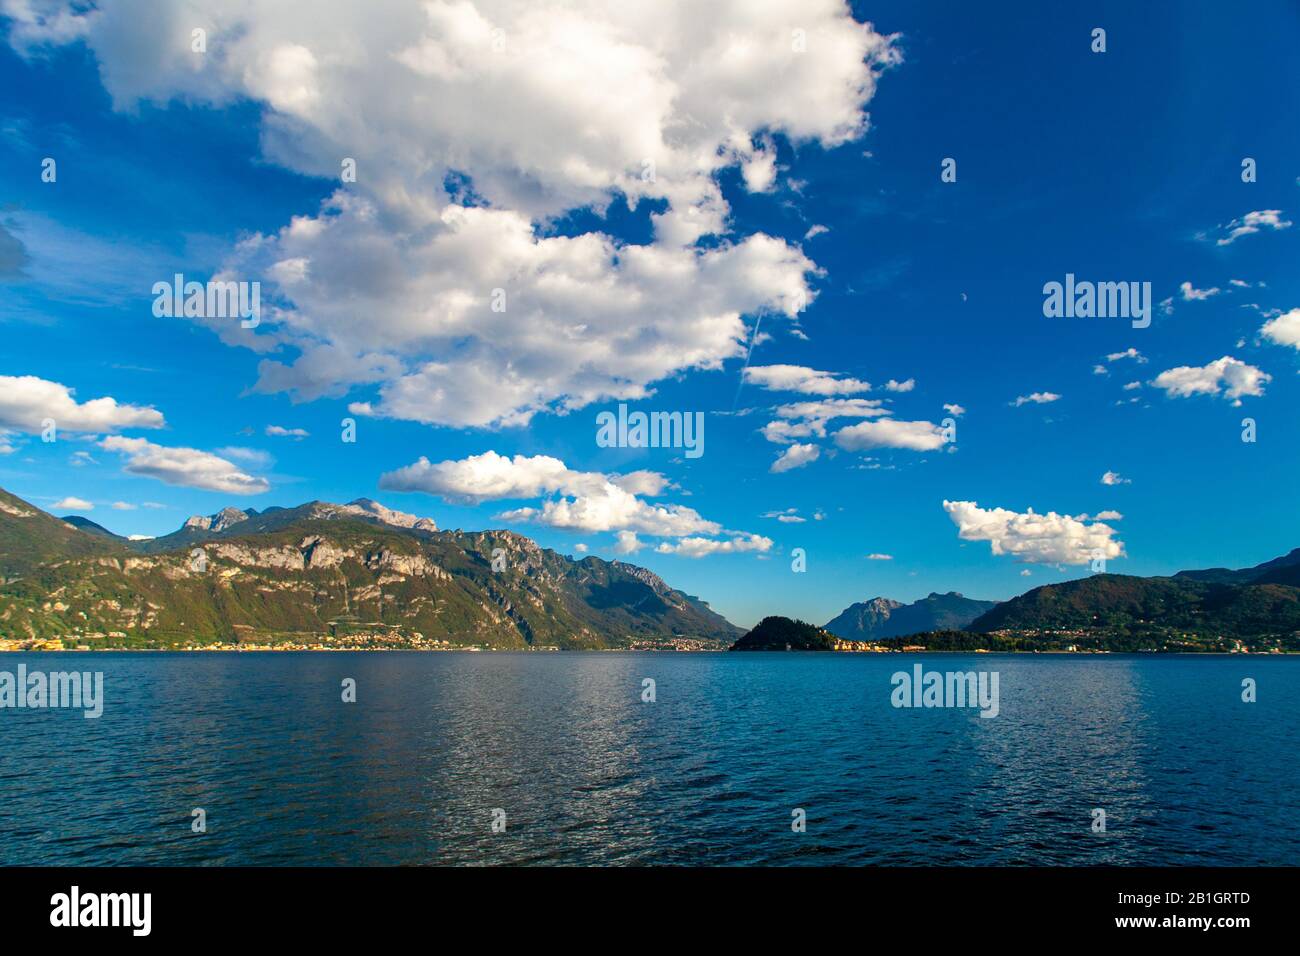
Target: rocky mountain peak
[220, 521]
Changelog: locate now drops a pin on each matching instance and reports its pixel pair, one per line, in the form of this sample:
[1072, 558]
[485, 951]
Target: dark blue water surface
[707, 775]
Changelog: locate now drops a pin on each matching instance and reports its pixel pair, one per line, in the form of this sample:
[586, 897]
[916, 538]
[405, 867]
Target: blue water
[707, 775]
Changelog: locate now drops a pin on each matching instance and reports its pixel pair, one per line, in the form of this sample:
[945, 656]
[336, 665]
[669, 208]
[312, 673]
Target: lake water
[708, 774]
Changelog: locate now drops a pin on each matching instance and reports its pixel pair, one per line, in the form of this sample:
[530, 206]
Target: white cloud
[537, 108]
[26, 401]
[702, 547]
[580, 548]
[1036, 398]
[648, 483]
[799, 378]
[1128, 353]
[1192, 294]
[73, 504]
[626, 542]
[889, 433]
[955, 410]
[809, 419]
[1227, 376]
[123, 506]
[187, 467]
[1108, 516]
[796, 456]
[880, 557]
[281, 431]
[588, 501]
[1284, 330]
[906, 386]
[1115, 478]
[1252, 222]
[1031, 537]
[815, 231]
[788, 516]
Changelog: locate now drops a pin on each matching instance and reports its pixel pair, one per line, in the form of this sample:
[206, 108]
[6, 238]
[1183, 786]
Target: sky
[827, 231]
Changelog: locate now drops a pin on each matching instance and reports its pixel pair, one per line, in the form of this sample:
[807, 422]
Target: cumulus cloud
[1193, 294]
[435, 278]
[702, 547]
[586, 501]
[795, 456]
[1036, 398]
[1114, 478]
[626, 542]
[186, 467]
[1253, 222]
[809, 419]
[279, 431]
[1225, 376]
[800, 378]
[890, 433]
[1034, 538]
[905, 386]
[880, 557]
[73, 504]
[26, 401]
[955, 410]
[1128, 353]
[1283, 330]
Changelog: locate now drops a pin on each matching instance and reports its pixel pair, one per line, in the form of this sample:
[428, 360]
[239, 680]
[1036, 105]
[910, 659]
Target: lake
[709, 773]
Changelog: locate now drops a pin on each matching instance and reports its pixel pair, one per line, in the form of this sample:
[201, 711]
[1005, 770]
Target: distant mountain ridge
[881, 617]
[321, 569]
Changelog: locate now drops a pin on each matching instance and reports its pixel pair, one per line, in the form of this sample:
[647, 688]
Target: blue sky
[1117, 166]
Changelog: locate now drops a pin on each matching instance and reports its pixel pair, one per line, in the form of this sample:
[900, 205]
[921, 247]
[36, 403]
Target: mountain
[1283, 570]
[321, 573]
[30, 538]
[784, 634]
[881, 617]
[200, 528]
[1157, 608]
[85, 524]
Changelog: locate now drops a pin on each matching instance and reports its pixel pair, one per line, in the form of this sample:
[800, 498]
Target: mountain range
[361, 574]
[355, 575]
[882, 617]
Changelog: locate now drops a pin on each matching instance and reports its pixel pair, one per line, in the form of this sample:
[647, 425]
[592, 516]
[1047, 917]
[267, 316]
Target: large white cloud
[475, 126]
[1284, 330]
[795, 456]
[1226, 376]
[1029, 537]
[584, 500]
[800, 378]
[187, 467]
[891, 433]
[26, 401]
[809, 419]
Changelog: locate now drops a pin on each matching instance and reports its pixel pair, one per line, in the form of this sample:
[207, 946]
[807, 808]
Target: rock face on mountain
[319, 570]
[881, 617]
[223, 519]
